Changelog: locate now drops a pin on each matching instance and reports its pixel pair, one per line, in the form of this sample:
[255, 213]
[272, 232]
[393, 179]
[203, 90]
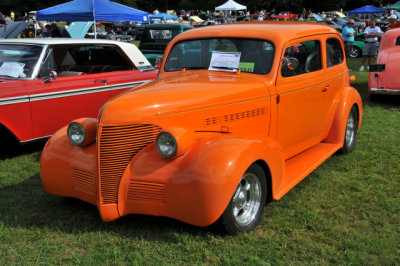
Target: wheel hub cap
[246, 199]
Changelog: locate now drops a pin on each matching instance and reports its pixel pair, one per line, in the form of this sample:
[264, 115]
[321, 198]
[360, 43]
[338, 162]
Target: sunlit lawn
[345, 212]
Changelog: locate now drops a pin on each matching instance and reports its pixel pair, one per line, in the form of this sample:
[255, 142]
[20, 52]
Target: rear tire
[351, 132]
[246, 207]
[355, 52]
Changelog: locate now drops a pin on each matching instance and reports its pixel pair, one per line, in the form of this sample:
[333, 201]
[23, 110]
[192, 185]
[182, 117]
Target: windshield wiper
[225, 68]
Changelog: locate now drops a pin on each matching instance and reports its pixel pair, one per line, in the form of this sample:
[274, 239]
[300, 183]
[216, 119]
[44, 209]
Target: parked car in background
[238, 115]
[384, 76]
[136, 31]
[358, 45]
[156, 38]
[284, 15]
[46, 83]
[320, 19]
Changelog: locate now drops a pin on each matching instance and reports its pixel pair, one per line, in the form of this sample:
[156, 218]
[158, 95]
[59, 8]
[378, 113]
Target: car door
[301, 87]
[55, 103]
[118, 70]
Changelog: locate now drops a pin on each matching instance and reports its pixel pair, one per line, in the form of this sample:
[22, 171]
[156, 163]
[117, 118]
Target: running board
[301, 165]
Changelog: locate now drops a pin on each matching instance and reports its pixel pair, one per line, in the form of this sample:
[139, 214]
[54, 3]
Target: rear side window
[398, 41]
[301, 58]
[334, 55]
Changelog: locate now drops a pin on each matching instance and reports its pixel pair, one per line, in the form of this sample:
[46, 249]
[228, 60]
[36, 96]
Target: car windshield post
[256, 56]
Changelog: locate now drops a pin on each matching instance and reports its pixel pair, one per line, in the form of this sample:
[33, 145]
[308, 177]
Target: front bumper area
[384, 91]
[195, 193]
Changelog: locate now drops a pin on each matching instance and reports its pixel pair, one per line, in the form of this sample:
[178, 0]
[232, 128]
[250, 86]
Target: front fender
[197, 186]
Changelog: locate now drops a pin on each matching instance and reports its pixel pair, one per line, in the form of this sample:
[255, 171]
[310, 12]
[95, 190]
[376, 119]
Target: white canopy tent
[231, 5]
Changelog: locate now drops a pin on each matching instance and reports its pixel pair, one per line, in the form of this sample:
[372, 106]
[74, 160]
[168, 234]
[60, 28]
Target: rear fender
[348, 98]
[200, 183]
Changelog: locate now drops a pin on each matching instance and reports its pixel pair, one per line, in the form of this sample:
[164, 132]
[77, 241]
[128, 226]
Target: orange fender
[348, 98]
[199, 184]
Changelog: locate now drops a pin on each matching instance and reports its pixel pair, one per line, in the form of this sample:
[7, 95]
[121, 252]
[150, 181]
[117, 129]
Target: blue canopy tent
[367, 10]
[163, 16]
[91, 10]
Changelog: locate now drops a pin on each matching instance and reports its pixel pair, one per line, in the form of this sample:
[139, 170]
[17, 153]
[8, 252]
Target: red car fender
[348, 98]
[199, 184]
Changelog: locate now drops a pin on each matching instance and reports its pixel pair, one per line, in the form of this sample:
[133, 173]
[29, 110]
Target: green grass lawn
[345, 212]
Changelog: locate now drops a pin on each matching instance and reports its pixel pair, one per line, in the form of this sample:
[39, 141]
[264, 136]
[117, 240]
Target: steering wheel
[310, 63]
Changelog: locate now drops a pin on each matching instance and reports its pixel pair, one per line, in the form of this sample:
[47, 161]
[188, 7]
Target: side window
[397, 41]
[303, 57]
[47, 65]
[334, 55]
[98, 59]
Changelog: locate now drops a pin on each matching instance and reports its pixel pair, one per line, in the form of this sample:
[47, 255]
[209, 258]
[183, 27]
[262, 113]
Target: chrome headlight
[76, 133]
[166, 144]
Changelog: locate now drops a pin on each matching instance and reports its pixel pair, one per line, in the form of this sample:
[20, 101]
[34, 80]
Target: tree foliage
[22, 6]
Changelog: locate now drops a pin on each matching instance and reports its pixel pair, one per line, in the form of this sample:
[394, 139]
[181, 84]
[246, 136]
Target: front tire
[351, 132]
[245, 209]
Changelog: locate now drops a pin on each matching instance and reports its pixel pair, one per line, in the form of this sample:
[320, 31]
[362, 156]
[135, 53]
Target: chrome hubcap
[247, 199]
[350, 130]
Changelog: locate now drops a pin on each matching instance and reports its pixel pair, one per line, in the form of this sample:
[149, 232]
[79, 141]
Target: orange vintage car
[238, 115]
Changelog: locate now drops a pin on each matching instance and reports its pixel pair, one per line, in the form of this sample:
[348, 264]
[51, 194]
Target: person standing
[393, 22]
[348, 33]
[371, 46]
[110, 34]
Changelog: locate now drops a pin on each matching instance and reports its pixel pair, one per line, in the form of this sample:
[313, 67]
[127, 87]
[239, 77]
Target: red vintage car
[284, 15]
[47, 83]
[384, 76]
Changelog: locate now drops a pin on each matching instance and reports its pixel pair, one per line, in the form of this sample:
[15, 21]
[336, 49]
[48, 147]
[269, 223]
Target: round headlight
[166, 144]
[76, 133]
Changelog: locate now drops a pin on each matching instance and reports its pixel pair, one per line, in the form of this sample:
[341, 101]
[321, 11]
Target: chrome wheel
[350, 129]
[247, 199]
[350, 132]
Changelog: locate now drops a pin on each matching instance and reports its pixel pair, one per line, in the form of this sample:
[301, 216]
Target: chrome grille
[117, 146]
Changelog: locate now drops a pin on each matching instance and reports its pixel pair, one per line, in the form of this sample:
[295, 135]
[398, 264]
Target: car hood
[183, 93]
[11, 30]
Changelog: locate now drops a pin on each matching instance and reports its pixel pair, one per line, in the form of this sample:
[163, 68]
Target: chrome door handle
[101, 81]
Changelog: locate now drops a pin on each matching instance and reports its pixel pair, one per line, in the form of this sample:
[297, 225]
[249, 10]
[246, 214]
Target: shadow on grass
[385, 101]
[12, 149]
[27, 205]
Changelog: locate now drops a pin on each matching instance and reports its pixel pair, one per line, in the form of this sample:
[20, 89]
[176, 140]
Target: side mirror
[291, 62]
[52, 76]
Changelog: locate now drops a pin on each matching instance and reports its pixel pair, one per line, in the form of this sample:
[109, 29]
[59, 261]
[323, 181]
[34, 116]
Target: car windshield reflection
[18, 61]
[256, 56]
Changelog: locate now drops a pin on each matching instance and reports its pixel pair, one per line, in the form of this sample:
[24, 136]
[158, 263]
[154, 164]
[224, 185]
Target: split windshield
[256, 56]
[18, 61]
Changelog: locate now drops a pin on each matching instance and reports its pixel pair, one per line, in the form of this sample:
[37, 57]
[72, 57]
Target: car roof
[278, 32]
[53, 41]
[172, 26]
[129, 49]
[388, 39]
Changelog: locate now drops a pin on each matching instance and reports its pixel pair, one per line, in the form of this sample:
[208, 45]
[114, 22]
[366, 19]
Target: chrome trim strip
[386, 91]
[36, 139]
[124, 85]
[14, 100]
[68, 93]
